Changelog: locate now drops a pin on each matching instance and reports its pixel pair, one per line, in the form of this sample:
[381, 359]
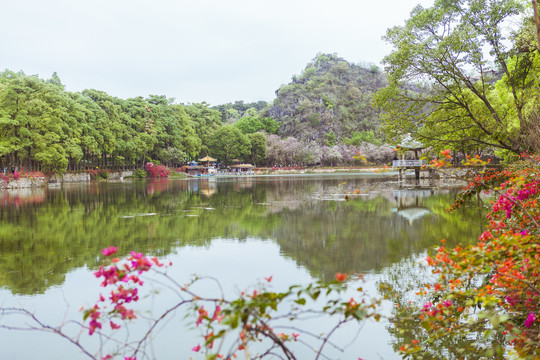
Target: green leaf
[300, 301]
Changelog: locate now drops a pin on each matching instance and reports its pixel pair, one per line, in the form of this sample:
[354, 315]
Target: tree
[205, 121]
[249, 125]
[445, 76]
[270, 125]
[228, 143]
[258, 147]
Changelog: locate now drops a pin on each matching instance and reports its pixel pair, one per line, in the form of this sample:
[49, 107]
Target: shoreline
[456, 173]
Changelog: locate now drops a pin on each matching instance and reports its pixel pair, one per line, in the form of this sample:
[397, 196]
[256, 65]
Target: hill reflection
[309, 217]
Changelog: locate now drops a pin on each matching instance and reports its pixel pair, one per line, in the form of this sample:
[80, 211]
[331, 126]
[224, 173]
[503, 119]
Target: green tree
[258, 147]
[205, 121]
[331, 139]
[270, 125]
[444, 76]
[249, 125]
[228, 143]
[358, 138]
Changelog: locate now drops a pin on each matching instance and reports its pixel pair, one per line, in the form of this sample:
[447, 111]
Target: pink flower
[530, 319]
[196, 348]
[109, 251]
[114, 326]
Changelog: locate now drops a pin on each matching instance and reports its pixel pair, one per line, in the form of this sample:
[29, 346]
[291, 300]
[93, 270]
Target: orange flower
[341, 277]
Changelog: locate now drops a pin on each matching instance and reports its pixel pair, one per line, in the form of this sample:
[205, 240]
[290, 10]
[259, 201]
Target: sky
[217, 51]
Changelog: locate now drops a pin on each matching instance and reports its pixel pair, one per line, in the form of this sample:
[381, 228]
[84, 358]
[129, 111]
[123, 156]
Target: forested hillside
[323, 117]
[43, 126]
[329, 102]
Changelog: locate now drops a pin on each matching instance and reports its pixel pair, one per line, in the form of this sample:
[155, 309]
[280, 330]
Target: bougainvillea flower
[109, 251]
[196, 348]
[530, 319]
[114, 326]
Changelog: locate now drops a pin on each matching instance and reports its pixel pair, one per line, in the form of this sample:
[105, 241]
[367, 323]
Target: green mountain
[331, 98]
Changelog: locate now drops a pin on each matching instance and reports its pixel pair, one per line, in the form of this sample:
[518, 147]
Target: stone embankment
[35, 182]
[57, 179]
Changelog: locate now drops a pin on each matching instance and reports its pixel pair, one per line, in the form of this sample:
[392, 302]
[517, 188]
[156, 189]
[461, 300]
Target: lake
[239, 230]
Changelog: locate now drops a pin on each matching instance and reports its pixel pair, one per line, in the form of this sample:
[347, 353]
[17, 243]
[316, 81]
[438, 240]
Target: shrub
[140, 174]
[98, 174]
[157, 171]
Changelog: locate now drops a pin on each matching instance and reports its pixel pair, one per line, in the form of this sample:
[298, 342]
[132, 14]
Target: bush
[98, 174]
[140, 174]
[157, 171]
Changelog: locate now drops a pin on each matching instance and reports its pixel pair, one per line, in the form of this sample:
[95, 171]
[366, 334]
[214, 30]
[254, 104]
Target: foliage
[231, 112]
[358, 138]
[205, 121]
[157, 171]
[99, 174]
[490, 289]
[139, 173]
[249, 125]
[46, 127]
[253, 124]
[228, 143]
[257, 143]
[457, 79]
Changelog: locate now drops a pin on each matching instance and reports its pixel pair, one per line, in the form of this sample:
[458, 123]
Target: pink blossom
[196, 348]
[114, 326]
[530, 319]
[109, 251]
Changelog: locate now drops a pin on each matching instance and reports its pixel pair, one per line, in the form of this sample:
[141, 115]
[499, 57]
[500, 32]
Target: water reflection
[326, 225]
[21, 197]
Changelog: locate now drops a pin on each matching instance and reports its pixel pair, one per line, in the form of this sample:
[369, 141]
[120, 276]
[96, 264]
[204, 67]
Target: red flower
[445, 152]
[341, 277]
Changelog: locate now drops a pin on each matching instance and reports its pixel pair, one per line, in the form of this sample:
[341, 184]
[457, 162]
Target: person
[13, 170]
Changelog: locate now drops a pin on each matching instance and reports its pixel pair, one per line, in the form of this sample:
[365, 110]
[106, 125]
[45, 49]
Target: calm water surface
[239, 230]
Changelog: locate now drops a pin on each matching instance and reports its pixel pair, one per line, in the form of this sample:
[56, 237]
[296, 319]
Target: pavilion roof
[411, 144]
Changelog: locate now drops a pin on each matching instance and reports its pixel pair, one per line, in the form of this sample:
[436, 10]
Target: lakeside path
[324, 170]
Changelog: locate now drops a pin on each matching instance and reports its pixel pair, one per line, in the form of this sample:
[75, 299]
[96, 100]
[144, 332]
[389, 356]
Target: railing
[408, 163]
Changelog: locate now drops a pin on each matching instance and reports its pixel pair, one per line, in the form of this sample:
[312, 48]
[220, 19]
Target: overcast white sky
[216, 51]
